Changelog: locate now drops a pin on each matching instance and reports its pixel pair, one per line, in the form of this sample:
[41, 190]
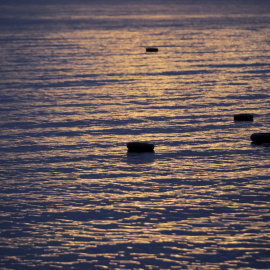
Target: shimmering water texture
[77, 85]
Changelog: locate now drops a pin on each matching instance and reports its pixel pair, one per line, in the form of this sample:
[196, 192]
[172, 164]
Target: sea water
[77, 85]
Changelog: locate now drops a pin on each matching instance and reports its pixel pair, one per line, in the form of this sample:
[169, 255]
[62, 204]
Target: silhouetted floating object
[151, 49]
[243, 117]
[260, 138]
[140, 147]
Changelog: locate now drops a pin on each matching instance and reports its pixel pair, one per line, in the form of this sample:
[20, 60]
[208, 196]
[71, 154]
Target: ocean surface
[76, 85]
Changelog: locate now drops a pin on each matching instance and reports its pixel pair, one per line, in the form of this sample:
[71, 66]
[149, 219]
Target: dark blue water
[77, 84]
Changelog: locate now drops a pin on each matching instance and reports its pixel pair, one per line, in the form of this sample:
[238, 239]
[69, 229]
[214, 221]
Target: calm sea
[76, 85]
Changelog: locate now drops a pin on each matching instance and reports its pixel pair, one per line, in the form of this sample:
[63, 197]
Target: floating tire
[139, 147]
[151, 49]
[243, 117]
[260, 138]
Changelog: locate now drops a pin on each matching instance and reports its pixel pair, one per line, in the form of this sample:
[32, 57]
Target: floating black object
[243, 117]
[140, 147]
[260, 138]
[151, 49]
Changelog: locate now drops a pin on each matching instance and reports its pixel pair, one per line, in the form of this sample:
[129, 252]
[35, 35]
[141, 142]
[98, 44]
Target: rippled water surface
[77, 85]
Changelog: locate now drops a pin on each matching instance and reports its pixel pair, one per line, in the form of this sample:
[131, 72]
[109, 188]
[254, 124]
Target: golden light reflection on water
[74, 197]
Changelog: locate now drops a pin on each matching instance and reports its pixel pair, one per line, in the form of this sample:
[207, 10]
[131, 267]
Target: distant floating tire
[260, 138]
[243, 117]
[151, 49]
[139, 147]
